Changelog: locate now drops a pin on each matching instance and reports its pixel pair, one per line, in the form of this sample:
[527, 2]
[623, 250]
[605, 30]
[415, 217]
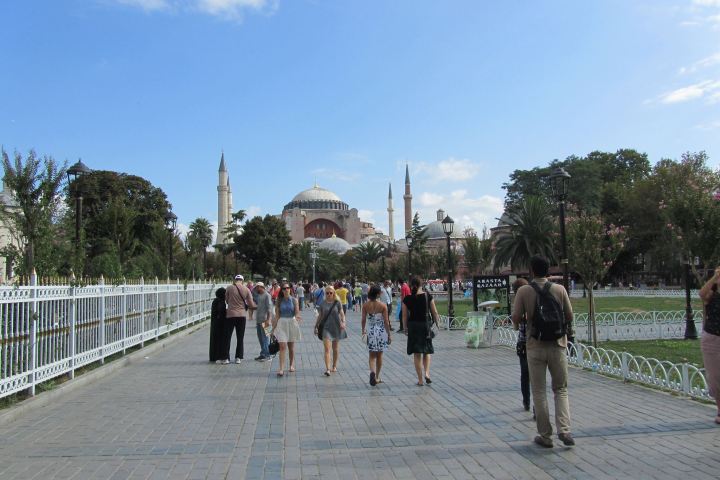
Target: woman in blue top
[286, 327]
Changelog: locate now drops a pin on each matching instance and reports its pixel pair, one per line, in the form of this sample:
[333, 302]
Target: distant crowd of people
[276, 310]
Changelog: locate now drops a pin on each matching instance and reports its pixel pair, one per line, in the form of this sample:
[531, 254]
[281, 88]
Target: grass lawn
[609, 304]
[675, 351]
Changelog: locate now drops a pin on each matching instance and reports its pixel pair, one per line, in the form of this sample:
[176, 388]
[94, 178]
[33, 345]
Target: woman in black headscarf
[217, 326]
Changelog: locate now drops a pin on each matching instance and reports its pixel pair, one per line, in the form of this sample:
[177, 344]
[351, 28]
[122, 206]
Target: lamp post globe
[559, 180]
[73, 173]
[448, 225]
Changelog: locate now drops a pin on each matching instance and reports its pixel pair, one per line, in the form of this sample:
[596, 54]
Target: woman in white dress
[286, 327]
[375, 317]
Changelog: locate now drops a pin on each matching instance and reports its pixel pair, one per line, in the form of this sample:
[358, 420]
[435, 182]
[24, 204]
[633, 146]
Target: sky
[346, 92]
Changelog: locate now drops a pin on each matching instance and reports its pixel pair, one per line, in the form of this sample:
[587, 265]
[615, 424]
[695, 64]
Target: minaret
[222, 200]
[229, 201]
[408, 201]
[390, 214]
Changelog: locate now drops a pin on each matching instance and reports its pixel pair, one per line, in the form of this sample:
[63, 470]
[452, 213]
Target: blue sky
[347, 91]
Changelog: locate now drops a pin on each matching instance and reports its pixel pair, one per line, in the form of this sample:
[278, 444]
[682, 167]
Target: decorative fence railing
[682, 378]
[611, 325]
[640, 292]
[48, 331]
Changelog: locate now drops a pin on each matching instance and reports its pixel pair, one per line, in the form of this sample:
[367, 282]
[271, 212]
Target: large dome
[316, 193]
[435, 231]
[316, 198]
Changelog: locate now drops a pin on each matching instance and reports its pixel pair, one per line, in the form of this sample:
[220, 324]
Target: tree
[201, 233]
[35, 184]
[264, 245]
[531, 233]
[368, 252]
[593, 247]
[478, 251]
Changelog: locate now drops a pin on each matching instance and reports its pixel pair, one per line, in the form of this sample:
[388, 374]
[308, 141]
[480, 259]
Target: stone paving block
[175, 415]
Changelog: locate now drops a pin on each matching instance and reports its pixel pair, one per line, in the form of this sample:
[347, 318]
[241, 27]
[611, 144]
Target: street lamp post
[560, 179]
[448, 224]
[73, 173]
[409, 243]
[690, 329]
[313, 256]
[171, 224]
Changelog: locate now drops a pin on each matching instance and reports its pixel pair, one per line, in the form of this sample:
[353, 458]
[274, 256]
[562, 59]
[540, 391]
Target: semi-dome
[335, 244]
[435, 231]
[317, 198]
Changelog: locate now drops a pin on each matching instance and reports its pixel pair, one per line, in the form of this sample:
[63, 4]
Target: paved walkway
[176, 416]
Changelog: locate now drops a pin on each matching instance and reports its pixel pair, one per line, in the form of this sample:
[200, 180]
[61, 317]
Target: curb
[44, 399]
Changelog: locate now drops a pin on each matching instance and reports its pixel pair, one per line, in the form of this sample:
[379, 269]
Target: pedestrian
[217, 326]
[300, 294]
[376, 326]
[332, 317]
[710, 337]
[319, 295]
[386, 297]
[364, 289]
[546, 348]
[521, 350]
[404, 292]
[286, 327]
[263, 318]
[239, 302]
[418, 311]
[274, 290]
[357, 293]
[341, 293]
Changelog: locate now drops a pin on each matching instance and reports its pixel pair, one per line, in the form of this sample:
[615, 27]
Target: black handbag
[274, 345]
[429, 318]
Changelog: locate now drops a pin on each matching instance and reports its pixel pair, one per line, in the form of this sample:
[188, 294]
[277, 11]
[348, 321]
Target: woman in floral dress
[375, 318]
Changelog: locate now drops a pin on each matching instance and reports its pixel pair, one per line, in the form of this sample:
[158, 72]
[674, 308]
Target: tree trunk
[204, 262]
[30, 257]
[591, 317]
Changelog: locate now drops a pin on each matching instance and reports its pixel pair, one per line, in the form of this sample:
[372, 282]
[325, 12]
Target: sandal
[373, 381]
[334, 370]
[327, 373]
[280, 373]
[292, 370]
[420, 384]
[427, 380]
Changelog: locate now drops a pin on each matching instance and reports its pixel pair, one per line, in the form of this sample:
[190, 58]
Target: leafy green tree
[202, 234]
[264, 245]
[367, 253]
[531, 233]
[593, 246]
[35, 184]
[478, 251]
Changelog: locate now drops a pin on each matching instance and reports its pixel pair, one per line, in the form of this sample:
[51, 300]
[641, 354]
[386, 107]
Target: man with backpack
[548, 313]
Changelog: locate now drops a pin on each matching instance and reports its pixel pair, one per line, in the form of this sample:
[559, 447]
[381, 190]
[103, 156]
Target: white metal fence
[47, 331]
[682, 378]
[639, 292]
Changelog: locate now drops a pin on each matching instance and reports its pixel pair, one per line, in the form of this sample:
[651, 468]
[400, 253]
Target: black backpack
[549, 318]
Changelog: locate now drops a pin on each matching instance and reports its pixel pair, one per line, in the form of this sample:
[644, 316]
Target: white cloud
[707, 3]
[467, 211]
[448, 170]
[252, 211]
[367, 216]
[702, 64]
[226, 9]
[708, 89]
[709, 126]
[147, 5]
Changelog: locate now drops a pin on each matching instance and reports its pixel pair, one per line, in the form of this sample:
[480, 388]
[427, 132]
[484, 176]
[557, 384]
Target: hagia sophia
[319, 215]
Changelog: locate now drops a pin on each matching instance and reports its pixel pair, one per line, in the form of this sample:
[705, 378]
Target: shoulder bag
[431, 324]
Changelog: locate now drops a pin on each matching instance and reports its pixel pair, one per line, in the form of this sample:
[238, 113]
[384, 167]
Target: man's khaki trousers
[543, 356]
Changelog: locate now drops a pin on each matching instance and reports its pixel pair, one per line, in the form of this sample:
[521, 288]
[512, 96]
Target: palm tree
[368, 252]
[531, 232]
[202, 233]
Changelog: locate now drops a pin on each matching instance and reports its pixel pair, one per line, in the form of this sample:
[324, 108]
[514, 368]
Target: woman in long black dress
[217, 326]
[415, 318]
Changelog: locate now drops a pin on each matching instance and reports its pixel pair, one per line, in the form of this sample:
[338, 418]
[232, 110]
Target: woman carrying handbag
[330, 328]
[419, 316]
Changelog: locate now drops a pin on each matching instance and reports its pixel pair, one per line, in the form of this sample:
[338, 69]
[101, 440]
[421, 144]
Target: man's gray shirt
[264, 305]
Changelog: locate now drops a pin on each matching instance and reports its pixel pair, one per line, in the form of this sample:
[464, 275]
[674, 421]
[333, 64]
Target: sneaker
[218, 362]
[567, 439]
[544, 442]
[259, 358]
[238, 361]
[225, 362]
[266, 359]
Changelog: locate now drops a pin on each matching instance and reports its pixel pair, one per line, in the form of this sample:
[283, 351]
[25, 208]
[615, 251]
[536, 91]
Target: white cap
[260, 284]
[239, 277]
